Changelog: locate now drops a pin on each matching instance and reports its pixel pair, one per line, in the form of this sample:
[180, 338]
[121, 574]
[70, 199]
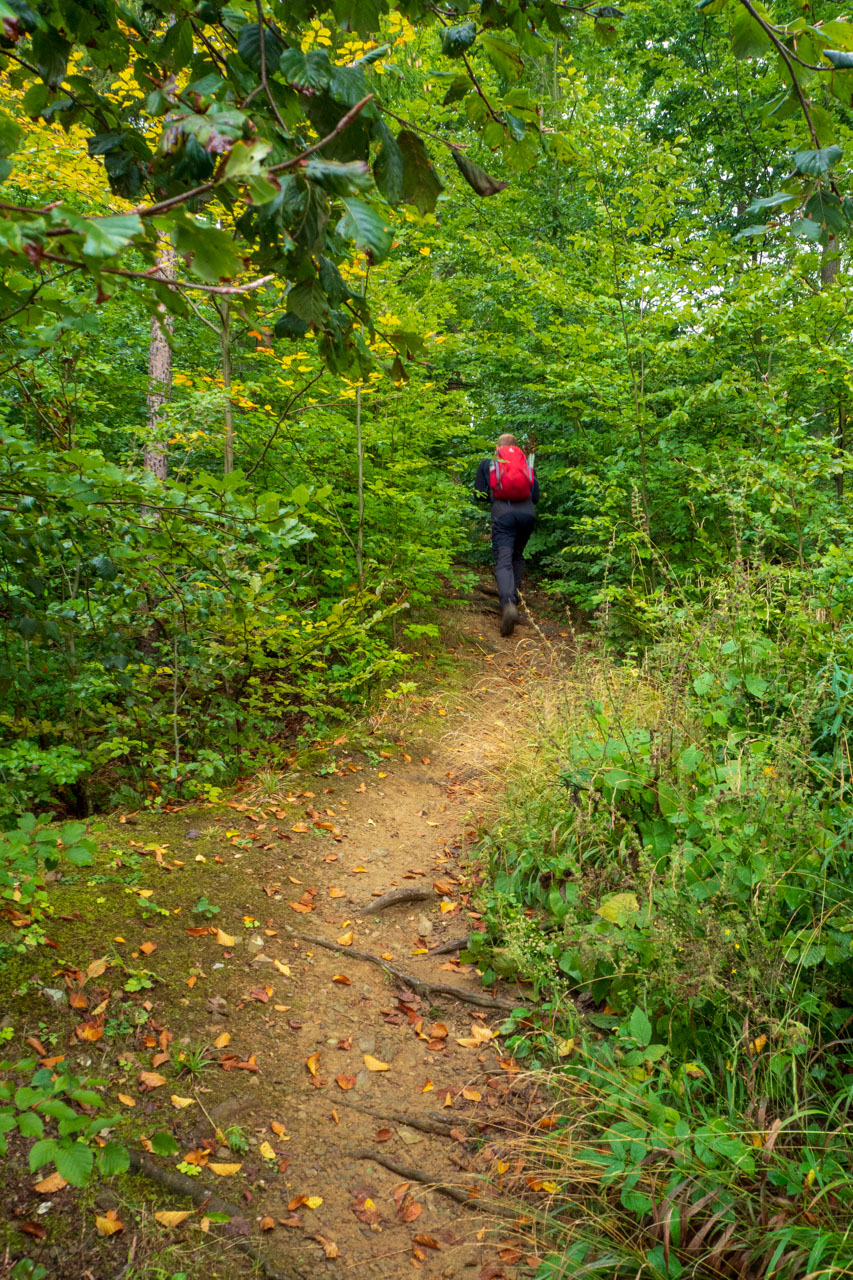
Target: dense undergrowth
[671, 871]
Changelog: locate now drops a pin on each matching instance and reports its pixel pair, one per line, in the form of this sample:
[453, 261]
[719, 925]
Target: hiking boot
[509, 617]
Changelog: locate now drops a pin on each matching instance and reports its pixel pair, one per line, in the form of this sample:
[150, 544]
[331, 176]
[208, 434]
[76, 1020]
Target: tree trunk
[225, 348]
[156, 457]
[830, 264]
[359, 544]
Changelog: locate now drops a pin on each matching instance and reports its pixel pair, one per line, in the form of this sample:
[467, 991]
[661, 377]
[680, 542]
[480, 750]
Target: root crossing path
[384, 1098]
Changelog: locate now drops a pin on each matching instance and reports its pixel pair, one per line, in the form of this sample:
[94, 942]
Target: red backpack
[511, 475]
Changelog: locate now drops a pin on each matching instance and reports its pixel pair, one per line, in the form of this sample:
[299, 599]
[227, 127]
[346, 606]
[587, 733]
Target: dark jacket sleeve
[482, 488]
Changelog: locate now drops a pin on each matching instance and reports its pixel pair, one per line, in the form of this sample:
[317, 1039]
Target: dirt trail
[408, 826]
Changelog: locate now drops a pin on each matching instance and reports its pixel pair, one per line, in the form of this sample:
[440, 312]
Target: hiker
[509, 482]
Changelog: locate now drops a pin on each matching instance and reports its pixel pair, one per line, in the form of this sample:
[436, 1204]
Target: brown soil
[447, 1101]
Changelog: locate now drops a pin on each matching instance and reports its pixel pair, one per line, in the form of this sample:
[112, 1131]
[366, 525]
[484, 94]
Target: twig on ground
[395, 898]
[420, 986]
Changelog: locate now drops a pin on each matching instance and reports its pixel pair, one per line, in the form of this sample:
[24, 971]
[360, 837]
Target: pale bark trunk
[156, 457]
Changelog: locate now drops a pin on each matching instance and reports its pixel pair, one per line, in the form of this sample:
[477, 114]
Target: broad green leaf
[456, 40]
[247, 158]
[368, 229]
[817, 164]
[163, 1144]
[477, 178]
[749, 39]
[640, 1027]
[113, 1159]
[504, 56]
[30, 1124]
[336, 178]
[618, 907]
[10, 135]
[41, 1153]
[421, 184]
[106, 237]
[388, 169]
[249, 47]
[74, 1161]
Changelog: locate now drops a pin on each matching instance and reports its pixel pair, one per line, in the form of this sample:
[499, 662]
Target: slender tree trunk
[225, 348]
[359, 445]
[830, 264]
[160, 375]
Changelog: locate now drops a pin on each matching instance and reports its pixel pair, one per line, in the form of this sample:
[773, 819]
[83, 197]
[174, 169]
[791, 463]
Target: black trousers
[512, 525]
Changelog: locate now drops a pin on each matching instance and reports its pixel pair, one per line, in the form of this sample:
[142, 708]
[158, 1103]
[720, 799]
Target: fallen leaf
[345, 940]
[221, 1041]
[448, 1101]
[109, 1223]
[35, 1043]
[427, 1087]
[97, 967]
[225, 1170]
[159, 1059]
[383, 1135]
[342, 979]
[438, 1031]
[387, 955]
[147, 947]
[299, 827]
[267, 1223]
[172, 1217]
[358, 871]
[151, 1079]
[278, 1128]
[180, 1103]
[473, 1095]
[53, 1182]
[267, 1152]
[191, 980]
[447, 906]
[373, 1064]
[126, 1100]
[330, 1249]
[313, 1062]
[310, 1202]
[410, 1210]
[346, 1082]
[282, 968]
[366, 1211]
[337, 893]
[293, 1221]
[300, 906]
[33, 1229]
[261, 994]
[428, 1242]
[90, 1030]
[224, 939]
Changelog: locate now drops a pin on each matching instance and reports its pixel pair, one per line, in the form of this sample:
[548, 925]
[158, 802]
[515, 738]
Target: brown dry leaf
[330, 1249]
[313, 1062]
[52, 1061]
[365, 1210]
[342, 979]
[147, 947]
[293, 1221]
[438, 1031]
[267, 1223]
[345, 940]
[191, 980]
[221, 1041]
[225, 1170]
[172, 1217]
[300, 906]
[150, 1080]
[224, 939]
[278, 1128]
[53, 1182]
[109, 1223]
[473, 1095]
[400, 1193]
[159, 1059]
[409, 1210]
[442, 887]
[126, 1100]
[337, 893]
[448, 1101]
[261, 994]
[96, 968]
[180, 1103]
[35, 1043]
[383, 1135]
[373, 1064]
[428, 1242]
[299, 827]
[90, 1030]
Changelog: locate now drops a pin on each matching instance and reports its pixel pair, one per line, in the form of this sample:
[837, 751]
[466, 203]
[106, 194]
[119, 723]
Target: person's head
[506, 441]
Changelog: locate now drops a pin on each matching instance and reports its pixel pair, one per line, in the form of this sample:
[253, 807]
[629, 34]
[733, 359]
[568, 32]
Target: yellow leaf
[145, 893]
[225, 1170]
[373, 1064]
[551, 1187]
[345, 940]
[180, 1103]
[448, 1101]
[267, 1151]
[420, 951]
[447, 906]
[312, 1063]
[279, 1128]
[313, 1202]
[472, 1095]
[53, 1182]
[618, 907]
[172, 1217]
[221, 1041]
[427, 1087]
[126, 1100]
[282, 968]
[109, 1224]
[224, 939]
[358, 869]
[387, 955]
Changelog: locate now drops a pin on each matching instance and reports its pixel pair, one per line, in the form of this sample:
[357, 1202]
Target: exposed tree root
[426, 1124]
[180, 1185]
[396, 898]
[459, 1194]
[446, 948]
[419, 985]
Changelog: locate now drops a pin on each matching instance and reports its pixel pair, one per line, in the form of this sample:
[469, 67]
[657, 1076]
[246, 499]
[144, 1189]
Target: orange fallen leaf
[428, 1242]
[299, 827]
[97, 967]
[438, 1031]
[330, 1249]
[278, 1128]
[300, 906]
[337, 893]
[90, 1030]
[151, 1079]
[312, 1063]
[373, 1064]
[473, 1095]
[191, 980]
[221, 1041]
[346, 1082]
[358, 870]
[126, 1100]
[387, 955]
[345, 940]
[448, 1101]
[383, 1135]
[224, 939]
[147, 947]
[267, 1223]
[53, 1182]
[225, 1170]
[109, 1223]
[342, 979]
[172, 1217]
[427, 1087]
[282, 968]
